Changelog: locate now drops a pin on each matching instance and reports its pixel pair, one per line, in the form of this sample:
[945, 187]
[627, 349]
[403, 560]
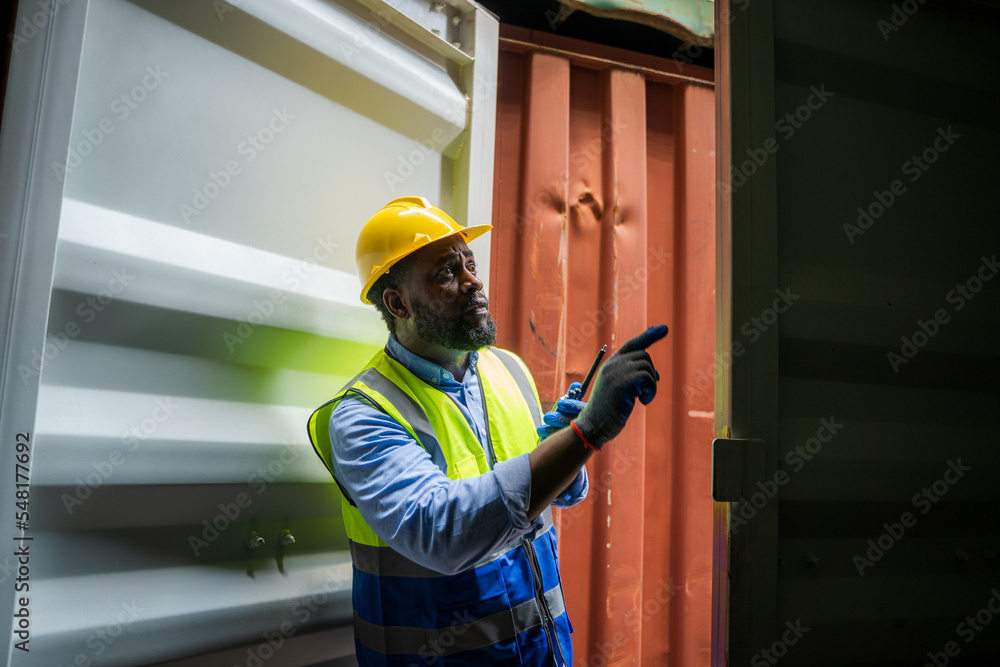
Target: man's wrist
[586, 441]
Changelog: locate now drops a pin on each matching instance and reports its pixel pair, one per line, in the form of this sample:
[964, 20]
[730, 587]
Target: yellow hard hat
[400, 227]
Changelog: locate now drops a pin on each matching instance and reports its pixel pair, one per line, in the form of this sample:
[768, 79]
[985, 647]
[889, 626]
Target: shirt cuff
[513, 477]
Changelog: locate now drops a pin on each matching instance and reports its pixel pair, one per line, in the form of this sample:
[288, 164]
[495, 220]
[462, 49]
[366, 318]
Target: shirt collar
[426, 370]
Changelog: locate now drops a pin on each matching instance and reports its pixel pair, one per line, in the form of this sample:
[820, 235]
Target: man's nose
[470, 281]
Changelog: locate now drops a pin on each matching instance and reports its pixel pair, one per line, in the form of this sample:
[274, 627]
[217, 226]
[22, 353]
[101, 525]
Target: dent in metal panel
[637, 552]
[619, 574]
[541, 216]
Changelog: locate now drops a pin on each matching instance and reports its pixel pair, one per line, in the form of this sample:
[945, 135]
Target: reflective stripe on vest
[411, 412]
[393, 389]
[460, 637]
[397, 601]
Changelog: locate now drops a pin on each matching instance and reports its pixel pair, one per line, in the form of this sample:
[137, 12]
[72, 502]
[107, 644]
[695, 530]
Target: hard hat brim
[469, 233]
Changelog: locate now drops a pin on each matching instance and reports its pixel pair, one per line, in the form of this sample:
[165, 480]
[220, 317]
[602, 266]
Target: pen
[592, 371]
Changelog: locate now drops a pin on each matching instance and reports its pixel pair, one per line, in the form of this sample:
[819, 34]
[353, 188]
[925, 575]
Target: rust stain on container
[604, 224]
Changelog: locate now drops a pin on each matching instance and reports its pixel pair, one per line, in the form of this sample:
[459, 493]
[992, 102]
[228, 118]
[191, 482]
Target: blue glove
[563, 412]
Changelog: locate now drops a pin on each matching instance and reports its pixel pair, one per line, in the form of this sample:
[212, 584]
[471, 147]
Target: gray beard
[453, 334]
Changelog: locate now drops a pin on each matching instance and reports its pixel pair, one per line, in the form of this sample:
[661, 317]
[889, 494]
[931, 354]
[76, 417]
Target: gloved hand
[562, 413]
[626, 375]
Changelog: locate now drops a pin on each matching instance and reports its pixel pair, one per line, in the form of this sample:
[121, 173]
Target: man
[446, 486]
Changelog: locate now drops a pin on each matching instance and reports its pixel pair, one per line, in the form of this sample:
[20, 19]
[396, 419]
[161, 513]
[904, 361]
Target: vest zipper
[548, 623]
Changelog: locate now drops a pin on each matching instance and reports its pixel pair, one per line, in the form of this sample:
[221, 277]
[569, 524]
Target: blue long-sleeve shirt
[446, 525]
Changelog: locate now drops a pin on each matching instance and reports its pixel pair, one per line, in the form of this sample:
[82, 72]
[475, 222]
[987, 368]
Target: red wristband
[583, 437]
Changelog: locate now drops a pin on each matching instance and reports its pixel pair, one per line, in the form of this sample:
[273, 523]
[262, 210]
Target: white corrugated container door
[184, 182]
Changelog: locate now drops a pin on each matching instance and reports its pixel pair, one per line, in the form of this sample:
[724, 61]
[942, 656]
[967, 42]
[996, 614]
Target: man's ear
[396, 302]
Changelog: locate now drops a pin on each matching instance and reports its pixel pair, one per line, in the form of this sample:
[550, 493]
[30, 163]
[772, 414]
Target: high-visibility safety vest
[507, 609]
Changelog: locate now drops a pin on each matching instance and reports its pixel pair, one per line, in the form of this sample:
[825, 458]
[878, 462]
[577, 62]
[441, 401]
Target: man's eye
[472, 267]
[445, 272]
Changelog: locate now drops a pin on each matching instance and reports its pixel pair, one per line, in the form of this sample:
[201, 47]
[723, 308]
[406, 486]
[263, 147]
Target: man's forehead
[445, 249]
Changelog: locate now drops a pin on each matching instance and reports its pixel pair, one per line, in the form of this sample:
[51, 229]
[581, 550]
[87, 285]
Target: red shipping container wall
[604, 223]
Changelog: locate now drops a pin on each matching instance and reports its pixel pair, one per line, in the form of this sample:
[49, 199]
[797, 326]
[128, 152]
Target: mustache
[479, 302]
